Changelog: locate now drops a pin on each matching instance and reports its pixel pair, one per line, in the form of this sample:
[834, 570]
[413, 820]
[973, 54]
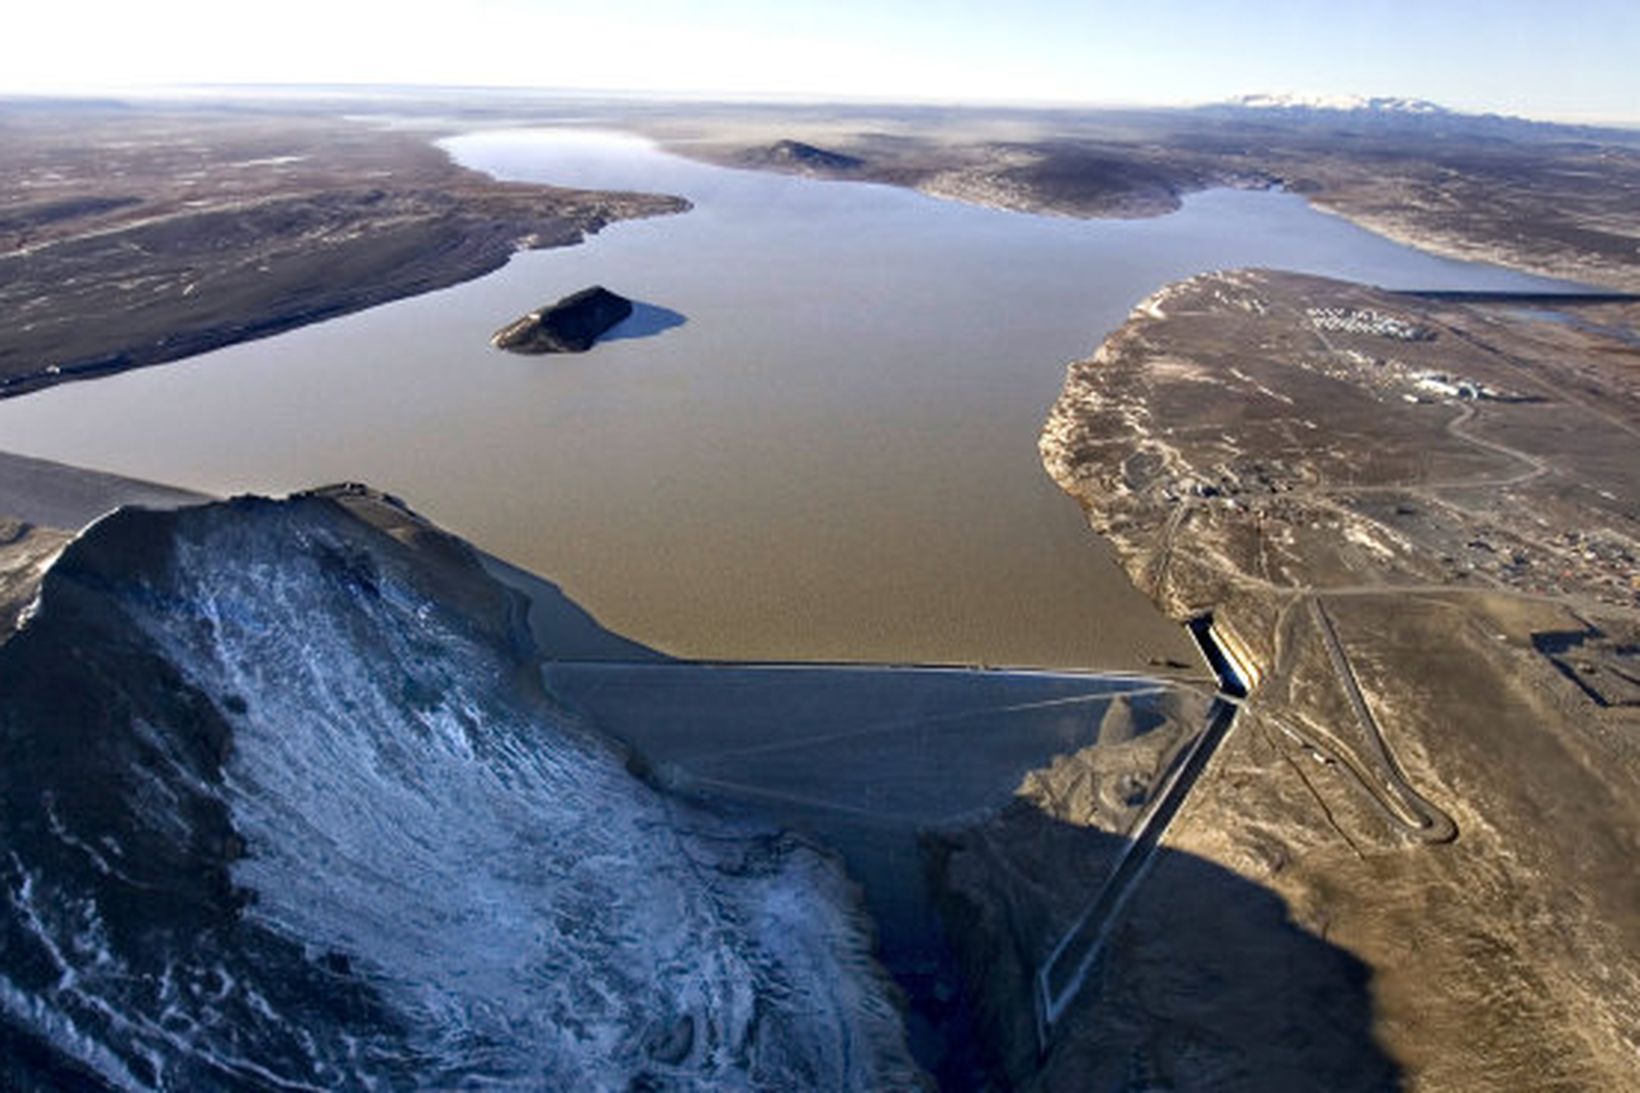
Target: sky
[1573, 59]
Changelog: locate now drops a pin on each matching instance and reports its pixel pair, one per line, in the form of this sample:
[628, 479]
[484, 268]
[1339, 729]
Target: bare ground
[1438, 772]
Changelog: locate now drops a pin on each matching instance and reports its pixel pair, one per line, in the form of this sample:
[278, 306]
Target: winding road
[1430, 824]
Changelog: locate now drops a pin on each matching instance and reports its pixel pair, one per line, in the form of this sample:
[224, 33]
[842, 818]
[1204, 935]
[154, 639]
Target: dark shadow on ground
[866, 760]
[1205, 983]
[646, 321]
[1604, 668]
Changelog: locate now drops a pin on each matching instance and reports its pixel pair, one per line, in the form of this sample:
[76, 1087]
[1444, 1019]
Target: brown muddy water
[816, 440]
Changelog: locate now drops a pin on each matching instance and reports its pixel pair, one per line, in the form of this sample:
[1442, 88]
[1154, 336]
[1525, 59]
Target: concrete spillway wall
[1229, 658]
[1064, 973]
[1062, 976]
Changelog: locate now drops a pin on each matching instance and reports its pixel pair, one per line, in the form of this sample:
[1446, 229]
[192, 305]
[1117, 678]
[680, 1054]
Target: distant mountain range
[1378, 104]
[1391, 114]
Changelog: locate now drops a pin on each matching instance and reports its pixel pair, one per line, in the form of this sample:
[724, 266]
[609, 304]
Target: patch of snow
[1381, 104]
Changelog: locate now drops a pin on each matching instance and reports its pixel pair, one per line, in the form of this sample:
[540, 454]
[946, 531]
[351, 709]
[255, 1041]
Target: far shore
[148, 248]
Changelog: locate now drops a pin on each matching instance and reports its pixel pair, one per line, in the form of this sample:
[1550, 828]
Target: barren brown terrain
[1418, 522]
[131, 236]
[1559, 201]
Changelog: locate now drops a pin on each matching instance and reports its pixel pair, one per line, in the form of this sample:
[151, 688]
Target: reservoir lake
[815, 441]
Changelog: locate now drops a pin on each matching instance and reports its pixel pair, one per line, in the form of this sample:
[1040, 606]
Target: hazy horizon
[1506, 57]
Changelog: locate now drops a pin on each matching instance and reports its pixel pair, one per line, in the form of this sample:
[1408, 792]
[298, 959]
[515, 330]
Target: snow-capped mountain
[1396, 115]
[1379, 104]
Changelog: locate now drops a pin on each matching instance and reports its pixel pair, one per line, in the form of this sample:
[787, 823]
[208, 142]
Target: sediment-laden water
[833, 456]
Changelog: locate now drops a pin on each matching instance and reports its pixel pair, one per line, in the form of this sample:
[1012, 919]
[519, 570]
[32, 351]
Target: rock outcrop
[571, 325]
[794, 155]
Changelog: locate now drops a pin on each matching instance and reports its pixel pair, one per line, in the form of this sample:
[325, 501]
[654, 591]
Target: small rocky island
[571, 325]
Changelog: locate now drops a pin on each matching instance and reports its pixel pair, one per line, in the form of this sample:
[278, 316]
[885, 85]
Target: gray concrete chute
[1063, 974]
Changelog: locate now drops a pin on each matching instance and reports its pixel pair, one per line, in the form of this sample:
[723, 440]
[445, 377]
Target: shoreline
[169, 254]
[432, 257]
[1135, 168]
[49, 494]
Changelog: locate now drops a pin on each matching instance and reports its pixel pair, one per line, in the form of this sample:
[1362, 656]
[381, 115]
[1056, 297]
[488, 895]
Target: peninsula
[1554, 199]
[1413, 520]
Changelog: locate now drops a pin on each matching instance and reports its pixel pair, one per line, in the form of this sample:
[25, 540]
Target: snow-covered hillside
[283, 804]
